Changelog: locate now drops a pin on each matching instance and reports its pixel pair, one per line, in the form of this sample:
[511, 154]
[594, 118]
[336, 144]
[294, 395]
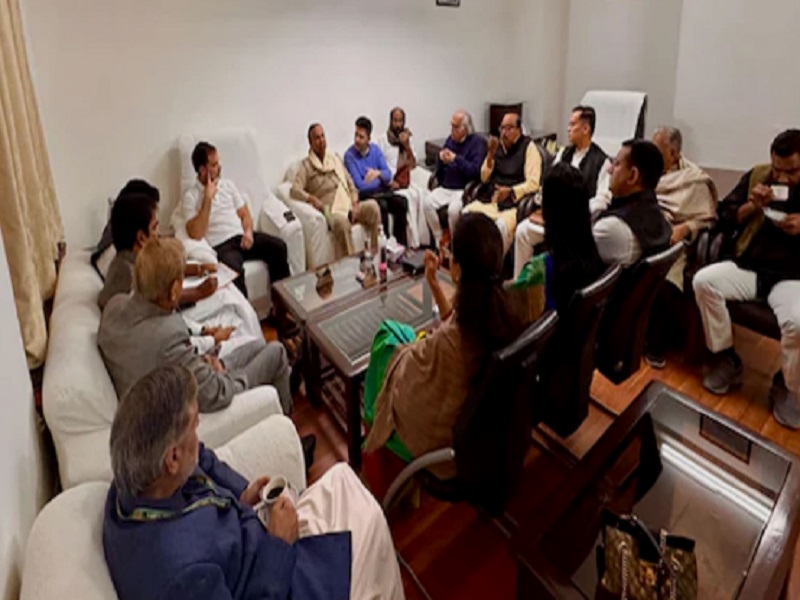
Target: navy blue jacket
[202, 543]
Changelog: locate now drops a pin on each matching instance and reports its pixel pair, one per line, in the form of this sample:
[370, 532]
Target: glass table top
[351, 331]
[312, 290]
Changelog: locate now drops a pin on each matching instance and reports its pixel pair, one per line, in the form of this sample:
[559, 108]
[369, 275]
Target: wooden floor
[457, 554]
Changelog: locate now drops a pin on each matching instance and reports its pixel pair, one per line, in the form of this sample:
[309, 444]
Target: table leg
[353, 391]
[312, 367]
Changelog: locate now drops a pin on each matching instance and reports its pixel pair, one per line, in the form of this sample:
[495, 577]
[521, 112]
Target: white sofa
[318, 238]
[241, 164]
[78, 396]
[64, 556]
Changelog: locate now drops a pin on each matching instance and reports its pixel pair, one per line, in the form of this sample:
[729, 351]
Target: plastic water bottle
[381, 244]
[437, 318]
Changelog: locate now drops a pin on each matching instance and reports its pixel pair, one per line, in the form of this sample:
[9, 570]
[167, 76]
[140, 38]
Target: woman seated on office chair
[427, 381]
[570, 261]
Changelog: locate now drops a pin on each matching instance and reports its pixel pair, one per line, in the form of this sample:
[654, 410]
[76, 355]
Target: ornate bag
[636, 564]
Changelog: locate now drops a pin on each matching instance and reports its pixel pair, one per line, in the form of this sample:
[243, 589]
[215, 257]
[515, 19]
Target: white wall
[118, 82]
[737, 79]
[22, 489]
[624, 45]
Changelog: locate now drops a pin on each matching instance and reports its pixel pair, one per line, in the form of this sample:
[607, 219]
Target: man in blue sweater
[459, 163]
[373, 178]
[179, 523]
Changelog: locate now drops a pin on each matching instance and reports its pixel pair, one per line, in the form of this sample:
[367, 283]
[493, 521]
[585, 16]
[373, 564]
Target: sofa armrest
[247, 410]
[270, 448]
[64, 555]
[276, 218]
[421, 177]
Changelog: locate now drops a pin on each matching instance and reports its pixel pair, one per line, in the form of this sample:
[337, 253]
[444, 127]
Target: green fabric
[533, 273]
[760, 174]
[391, 334]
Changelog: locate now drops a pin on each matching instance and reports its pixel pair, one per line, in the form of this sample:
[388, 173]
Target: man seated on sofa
[458, 165]
[633, 226]
[586, 156]
[373, 180]
[512, 170]
[214, 209]
[763, 213]
[179, 523]
[142, 331]
[134, 220]
[688, 198]
[323, 182]
[396, 148]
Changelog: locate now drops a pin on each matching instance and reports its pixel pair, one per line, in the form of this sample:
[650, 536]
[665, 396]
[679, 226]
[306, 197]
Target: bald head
[669, 141]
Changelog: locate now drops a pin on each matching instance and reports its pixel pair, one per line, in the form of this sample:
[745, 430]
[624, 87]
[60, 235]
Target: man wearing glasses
[458, 164]
[512, 170]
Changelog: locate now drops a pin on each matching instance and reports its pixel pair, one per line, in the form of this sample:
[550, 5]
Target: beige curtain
[29, 215]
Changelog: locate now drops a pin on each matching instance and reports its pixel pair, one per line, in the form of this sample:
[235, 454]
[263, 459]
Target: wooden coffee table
[679, 466]
[342, 340]
[326, 289]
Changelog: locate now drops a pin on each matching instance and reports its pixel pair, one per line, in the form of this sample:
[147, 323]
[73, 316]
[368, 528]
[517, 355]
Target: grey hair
[674, 136]
[151, 417]
[466, 121]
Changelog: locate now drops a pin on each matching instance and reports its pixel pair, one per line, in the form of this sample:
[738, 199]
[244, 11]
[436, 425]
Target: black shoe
[656, 361]
[309, 443]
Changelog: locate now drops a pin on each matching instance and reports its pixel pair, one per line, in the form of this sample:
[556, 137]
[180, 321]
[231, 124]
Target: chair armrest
[307, 214]
[471, 191]
[419, 464]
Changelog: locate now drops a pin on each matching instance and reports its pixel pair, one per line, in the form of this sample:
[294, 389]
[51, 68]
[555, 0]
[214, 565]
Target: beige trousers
[369, 217]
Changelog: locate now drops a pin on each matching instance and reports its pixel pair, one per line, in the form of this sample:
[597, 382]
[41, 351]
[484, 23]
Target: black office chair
[492, 434]
[561, 396]
[623, 328]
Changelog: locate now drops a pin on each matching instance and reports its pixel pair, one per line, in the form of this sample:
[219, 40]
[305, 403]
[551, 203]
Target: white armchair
[620, 116]
[318, 238]
[79, 399]
[64, 556]
[242, 165]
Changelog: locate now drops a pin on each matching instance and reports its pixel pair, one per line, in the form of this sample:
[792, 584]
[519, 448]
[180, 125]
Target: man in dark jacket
[180, 523]
[762, 214]
[633, 226]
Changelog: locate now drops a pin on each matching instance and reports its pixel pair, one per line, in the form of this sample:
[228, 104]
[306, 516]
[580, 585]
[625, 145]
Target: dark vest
[509, 166]
[641, 213]
[590, 165]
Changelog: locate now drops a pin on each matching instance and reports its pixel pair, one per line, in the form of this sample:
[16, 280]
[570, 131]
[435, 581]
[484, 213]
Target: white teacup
[278, 486]
[780, 192]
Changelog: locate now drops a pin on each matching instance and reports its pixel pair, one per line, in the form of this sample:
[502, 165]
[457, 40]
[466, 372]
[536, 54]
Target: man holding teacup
[762, 214]
[180, 523]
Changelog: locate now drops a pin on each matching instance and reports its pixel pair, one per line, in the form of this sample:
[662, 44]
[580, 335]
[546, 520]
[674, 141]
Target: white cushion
[64, 556]
[79, 399]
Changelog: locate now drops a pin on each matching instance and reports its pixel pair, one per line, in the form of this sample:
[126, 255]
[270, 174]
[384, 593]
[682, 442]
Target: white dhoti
[527, 236]
[340, 502]
[227, 307]
[723, 281]
[437, 199]
[416, 215]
